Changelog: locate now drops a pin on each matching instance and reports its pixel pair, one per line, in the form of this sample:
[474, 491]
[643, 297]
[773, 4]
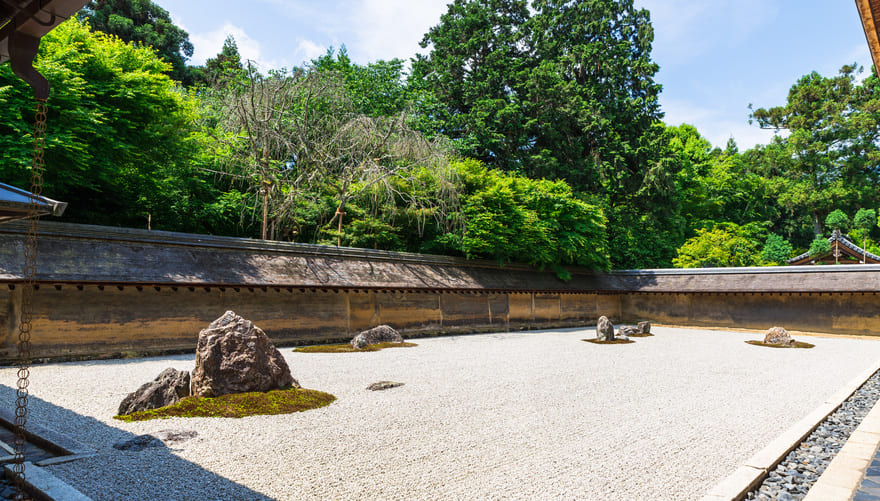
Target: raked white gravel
[537, 415]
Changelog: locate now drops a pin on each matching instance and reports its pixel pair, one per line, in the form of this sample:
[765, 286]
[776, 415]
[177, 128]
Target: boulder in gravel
[626, 331]
[170, 386]
[235, 356]
[376, 335]
[604, 329]
[644, 327]
[778, 335]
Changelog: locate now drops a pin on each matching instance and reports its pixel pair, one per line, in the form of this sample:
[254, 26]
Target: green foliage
[832, 147]
[865, 219]
[121, 145]
[776, 250]
[819, 246]
[837, 220]
[238, 405]
[145, 24]
[539, 222]
[220, 70]
[726, 244]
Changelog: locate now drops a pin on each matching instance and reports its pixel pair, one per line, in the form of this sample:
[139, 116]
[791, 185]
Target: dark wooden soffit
[869, 11]
[82, 254]
[32, 17]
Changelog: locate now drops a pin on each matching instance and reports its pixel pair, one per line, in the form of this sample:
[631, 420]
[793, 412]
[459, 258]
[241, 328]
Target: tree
[864, 221]
[220, 69]
[298, 134]
[539, 222]
[837, 221]
[832, 148]
[476, 65]
[143, 23]
[819, 246]
[776, 250]
[121, 139]
[726, 244]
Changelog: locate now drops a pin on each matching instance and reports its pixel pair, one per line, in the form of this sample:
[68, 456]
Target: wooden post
[265, 209]
[340, 213]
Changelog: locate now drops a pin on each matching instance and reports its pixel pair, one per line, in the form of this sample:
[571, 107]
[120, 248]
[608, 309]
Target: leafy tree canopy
[837, 220]
[144, 23]
[727, 244]
[833, 145]
[121, 143]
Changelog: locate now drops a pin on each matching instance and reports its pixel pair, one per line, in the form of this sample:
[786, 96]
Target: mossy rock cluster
[238, 405]
[347, 348]
[796, 344]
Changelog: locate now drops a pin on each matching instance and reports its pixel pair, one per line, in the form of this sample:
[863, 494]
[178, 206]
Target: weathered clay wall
[106, 291]
[834, 313]
[93, 321]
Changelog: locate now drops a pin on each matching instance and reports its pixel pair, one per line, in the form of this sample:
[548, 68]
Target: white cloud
[208, 45]
[387, 29]
[307, 50]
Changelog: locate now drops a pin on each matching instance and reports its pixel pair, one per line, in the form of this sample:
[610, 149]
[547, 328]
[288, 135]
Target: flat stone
[383, 385]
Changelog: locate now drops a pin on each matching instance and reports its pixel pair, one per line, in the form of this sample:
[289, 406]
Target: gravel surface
[796, 474]
[519, 415]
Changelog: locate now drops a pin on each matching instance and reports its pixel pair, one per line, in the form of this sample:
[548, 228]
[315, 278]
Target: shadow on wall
[152, 473]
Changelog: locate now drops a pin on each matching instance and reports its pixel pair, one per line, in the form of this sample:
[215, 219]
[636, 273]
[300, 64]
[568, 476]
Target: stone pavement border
[842, 478]
[752, 472]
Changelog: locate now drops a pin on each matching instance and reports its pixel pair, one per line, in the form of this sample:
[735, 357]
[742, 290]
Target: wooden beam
[869, 11]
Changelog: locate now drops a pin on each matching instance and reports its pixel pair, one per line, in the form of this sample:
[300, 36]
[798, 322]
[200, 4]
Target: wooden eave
[869, 11]
[33, 17]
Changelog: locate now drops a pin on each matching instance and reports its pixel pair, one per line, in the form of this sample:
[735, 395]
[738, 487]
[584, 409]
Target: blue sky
[715, 56]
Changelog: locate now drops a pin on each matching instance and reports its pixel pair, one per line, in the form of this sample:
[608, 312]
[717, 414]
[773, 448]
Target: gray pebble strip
[796, 474]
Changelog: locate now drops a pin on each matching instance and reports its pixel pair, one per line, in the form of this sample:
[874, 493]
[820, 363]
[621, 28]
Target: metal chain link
[27, 293]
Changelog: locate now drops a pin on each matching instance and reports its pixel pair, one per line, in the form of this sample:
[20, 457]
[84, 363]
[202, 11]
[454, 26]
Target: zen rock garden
[233, 357]
[778, 337]
[605, 332]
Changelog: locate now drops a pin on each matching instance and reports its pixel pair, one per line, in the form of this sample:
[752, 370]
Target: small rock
[626, 331]
[604, 329]
[174, 437]
[644, 327]
[383, 385]
[778, 335]
[376, 335]
[169, 387]
[138, 443]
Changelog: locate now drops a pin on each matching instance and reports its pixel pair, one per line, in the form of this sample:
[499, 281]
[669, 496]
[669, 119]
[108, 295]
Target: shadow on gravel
[157, 472]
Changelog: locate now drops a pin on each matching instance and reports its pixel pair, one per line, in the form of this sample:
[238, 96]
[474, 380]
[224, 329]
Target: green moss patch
[238, 405]
[347, 348]
[796, 344]
[641, 335]
[602, 341]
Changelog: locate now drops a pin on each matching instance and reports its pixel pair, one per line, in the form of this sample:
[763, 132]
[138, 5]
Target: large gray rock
[626, 331]
[644, 327]
[778, 335]
[235, 356]
[376, 335]
[169, 387]
[604, 329]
